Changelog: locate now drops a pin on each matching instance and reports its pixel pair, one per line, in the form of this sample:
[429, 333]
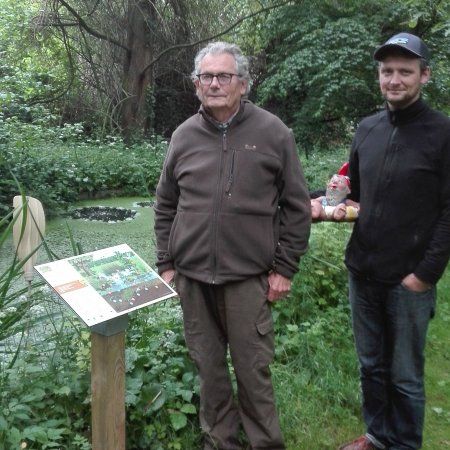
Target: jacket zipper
[217, 207]
[386, 171]
[231, 175]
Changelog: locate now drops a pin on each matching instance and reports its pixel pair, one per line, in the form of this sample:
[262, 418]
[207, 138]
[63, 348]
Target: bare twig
[209, 38]
[82, 23]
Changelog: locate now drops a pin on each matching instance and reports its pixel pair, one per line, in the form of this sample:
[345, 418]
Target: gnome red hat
[344, 171]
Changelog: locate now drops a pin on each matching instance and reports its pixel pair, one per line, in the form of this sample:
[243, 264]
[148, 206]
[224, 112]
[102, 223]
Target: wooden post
[108, 391]
[28, 231]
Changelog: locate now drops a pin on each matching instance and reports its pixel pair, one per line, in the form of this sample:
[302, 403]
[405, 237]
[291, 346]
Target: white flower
[37, 309]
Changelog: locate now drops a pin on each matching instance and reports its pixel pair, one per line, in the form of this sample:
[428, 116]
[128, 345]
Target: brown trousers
[234, 316]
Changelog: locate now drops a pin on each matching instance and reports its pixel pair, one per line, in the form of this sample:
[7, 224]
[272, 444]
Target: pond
[118, 221]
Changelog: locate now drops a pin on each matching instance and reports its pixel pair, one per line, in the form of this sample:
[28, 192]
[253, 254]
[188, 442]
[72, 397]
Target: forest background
[90, 92]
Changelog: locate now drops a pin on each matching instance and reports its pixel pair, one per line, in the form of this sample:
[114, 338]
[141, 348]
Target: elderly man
[400, 245]
[232, 218]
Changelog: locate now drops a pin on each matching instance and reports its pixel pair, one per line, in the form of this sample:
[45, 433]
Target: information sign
[105, 284]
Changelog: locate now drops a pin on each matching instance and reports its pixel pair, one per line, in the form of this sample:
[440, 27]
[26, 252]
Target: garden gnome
[334, 204]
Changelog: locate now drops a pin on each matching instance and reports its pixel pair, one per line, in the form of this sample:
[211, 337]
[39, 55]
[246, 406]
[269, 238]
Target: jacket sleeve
[435, 260]
[165, 209]
[353, 172]
[294, 212]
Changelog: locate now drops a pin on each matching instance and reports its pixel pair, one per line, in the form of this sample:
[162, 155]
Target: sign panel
[105, 284]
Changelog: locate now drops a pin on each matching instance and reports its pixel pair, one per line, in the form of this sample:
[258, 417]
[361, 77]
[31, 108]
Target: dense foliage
[312, 61]
[70, 168]
[321, 77]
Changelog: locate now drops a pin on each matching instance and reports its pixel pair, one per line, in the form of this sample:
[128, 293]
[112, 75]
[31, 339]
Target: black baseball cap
[410, 43]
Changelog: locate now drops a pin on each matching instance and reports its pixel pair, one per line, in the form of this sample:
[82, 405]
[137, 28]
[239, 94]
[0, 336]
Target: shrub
[321, 282]
[54, 411]
[55, 167]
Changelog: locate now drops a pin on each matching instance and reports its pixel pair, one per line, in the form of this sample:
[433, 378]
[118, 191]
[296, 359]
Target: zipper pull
[230, 176]
[224, 138]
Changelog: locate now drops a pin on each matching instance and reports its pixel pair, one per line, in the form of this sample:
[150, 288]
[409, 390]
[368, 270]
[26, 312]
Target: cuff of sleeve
[163, 266]
[427, 276]
[283, 270]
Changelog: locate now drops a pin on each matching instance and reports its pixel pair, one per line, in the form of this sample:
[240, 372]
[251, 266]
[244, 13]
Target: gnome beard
[337, 190]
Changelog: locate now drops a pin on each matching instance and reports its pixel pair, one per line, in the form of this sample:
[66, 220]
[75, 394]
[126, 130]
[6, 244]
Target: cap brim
[385, 49]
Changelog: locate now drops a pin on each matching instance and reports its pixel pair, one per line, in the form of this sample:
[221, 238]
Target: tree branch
[210, 38]
[82, 23]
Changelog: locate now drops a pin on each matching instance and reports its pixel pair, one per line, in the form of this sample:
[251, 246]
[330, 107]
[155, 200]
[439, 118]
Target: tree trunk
[138, 56]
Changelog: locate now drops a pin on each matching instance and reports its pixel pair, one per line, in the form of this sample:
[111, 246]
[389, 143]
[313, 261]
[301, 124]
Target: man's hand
[279, 286]
[340, 212]
[168, 275]
[414, 284]
[317, 211]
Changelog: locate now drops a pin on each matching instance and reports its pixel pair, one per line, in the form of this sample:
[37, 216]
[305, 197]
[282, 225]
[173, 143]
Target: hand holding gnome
[334, 205]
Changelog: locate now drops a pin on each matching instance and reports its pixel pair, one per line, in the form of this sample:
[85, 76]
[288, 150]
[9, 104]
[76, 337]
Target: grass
[322, 412]
[437, 420]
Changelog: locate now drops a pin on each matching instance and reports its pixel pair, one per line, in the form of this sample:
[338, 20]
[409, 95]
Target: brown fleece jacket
[232, 201]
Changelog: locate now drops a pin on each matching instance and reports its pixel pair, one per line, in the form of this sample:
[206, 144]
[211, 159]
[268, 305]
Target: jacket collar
[221, 126]
[400, 116]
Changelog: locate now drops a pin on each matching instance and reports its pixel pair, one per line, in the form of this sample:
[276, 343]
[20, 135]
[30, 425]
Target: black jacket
[400, 174]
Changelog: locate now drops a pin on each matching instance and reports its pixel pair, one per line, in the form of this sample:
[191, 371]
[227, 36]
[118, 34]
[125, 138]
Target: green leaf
[178, 420]
[189, 408]
[3, 424]
[63, 390]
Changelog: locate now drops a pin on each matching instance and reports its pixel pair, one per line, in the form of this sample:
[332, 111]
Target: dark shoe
[361, 443]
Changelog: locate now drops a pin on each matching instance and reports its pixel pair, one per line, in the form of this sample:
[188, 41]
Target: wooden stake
[28, 231]
[108, 391]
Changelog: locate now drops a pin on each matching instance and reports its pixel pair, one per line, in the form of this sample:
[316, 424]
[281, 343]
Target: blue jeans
[390, 325]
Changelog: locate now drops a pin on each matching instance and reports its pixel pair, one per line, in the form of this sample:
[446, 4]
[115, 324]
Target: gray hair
[217, 48]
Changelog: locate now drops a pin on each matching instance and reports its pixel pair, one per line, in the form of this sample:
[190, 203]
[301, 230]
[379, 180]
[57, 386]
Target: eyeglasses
[223, 78]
